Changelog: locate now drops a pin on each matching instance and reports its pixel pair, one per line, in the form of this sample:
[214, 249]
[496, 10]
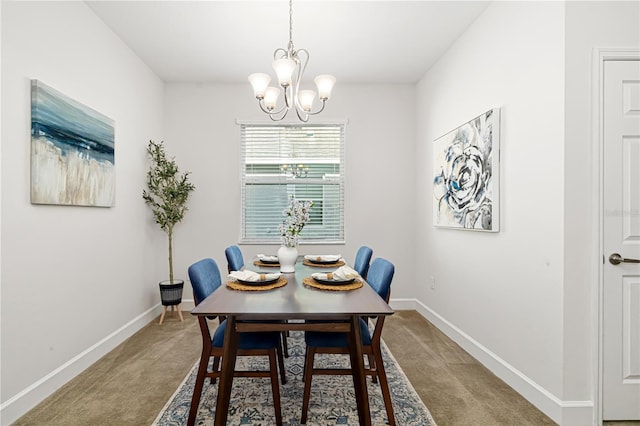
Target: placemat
[266, 265]
[323, 265]
[234, 285]
[313, 283]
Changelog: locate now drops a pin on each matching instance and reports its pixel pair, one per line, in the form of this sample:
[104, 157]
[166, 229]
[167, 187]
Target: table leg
[226, 373]
[359, 377]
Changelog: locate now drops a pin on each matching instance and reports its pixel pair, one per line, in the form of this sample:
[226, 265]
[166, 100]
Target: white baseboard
[18, 405]
[187, 305]
[565, 413]
[403, 304]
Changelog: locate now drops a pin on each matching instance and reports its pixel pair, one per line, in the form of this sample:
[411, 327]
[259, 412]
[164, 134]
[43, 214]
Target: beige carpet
[131, 385]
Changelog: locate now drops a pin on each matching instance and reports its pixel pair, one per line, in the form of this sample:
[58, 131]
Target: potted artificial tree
[167, 194]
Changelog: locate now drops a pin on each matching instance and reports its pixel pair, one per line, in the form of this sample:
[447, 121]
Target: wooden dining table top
[295, 300]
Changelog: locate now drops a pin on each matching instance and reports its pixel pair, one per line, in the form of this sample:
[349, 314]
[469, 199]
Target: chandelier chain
[290, 25]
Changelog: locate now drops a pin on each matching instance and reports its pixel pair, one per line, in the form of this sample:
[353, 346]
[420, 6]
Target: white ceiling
[225, 41]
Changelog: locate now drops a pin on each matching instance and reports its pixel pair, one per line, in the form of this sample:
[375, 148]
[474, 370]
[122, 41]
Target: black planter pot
[171, 295]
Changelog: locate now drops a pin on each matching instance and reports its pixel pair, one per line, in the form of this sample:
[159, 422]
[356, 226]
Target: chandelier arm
[302, 66]
[261, 104]
[279, 114]
[275, 117]
[306, 52]
[304, 118]
[287, 99]
[285, 54]
[324, 102]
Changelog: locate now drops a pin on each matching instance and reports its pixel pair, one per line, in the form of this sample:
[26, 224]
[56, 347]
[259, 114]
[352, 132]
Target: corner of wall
[566, 413]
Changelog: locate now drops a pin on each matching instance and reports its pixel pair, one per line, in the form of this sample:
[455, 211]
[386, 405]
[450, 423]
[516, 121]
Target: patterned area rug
[332, 397]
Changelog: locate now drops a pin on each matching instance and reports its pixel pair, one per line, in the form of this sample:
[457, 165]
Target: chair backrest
[205, 278]
[361, 263]
[235, 261]
[380, 277]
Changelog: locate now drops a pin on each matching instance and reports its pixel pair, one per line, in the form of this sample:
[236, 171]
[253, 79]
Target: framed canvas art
[467, 175]
[72, 151]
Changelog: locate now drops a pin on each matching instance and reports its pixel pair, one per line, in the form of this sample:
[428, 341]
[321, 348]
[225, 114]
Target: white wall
[589, 25]
[527, 307]
[501, 295]
[201, 131]
[76, 281]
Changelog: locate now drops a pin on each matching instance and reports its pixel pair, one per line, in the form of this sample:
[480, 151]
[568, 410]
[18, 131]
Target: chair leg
[304, 365]
[275, 387]
[308, 371]
[197, 390]
[285, 344]
[283, 374]
[372, 366]
[164, 311]
[384, 386]
[215, 367]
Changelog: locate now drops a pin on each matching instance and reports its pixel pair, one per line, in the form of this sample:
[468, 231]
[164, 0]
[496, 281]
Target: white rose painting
[466, 175]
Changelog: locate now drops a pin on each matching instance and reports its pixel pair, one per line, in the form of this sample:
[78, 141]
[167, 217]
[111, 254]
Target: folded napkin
[266, 258]
[323, 257]
[247, 275]
[343, 273]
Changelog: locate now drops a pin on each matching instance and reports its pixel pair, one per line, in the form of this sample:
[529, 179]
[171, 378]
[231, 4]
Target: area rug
[332, 397]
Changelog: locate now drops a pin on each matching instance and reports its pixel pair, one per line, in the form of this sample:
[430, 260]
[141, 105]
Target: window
[303, 161]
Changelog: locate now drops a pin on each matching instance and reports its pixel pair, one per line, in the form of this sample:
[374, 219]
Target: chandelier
[290, 65]
[293, 171]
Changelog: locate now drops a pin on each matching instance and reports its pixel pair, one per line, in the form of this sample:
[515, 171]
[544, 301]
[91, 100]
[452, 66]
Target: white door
[621, 241]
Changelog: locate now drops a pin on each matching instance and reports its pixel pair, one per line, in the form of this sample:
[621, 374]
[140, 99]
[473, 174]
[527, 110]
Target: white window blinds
[279, 161]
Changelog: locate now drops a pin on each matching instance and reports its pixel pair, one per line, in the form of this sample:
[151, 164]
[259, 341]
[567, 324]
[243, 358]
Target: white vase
[287, 257]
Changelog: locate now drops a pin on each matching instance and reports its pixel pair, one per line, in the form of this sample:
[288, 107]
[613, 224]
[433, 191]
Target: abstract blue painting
[72, 151]
[467, 175]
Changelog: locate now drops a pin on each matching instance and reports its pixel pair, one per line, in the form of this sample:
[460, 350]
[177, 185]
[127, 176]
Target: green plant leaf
[167, 192]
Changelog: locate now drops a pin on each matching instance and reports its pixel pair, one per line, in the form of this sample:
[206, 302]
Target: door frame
[600, 56]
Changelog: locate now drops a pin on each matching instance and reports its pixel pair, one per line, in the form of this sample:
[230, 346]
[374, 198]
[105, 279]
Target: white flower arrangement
[296, 217]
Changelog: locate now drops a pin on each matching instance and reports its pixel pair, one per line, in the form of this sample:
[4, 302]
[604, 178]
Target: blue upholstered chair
[379, 278]
[205, 279]
[235, 261]
[361, 262]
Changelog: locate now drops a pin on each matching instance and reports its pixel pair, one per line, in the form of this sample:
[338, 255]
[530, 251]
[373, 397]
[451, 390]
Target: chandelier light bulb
[259, 82]
[271, 97]
[284, 70]
[305, 97]
[325, 83]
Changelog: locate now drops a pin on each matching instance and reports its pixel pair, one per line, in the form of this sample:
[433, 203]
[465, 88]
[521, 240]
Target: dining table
[297, 305]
